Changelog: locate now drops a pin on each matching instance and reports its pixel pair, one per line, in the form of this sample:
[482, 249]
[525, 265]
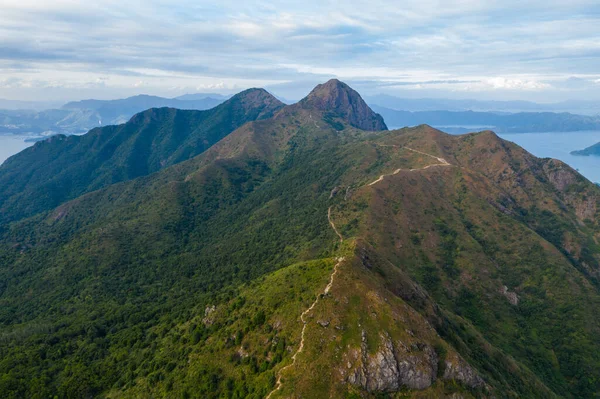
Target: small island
[591, 150]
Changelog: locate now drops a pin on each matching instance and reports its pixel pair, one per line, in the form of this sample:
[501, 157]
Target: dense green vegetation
[65, 167]
[190, 282]
[107, 283]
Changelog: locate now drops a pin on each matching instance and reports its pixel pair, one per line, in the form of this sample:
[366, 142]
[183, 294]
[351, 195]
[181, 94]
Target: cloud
[458, 45]
[515, 84]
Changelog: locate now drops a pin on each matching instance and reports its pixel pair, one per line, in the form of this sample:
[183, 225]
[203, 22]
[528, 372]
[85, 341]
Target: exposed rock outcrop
[209, 318]
[323, 323]
[562, 177]
[396, 366]
[559, 174]
[458, 370]
[341, 100]
[512, 297]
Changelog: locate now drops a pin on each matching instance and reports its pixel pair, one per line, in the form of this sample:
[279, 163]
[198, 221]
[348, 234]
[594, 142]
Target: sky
[536, 50]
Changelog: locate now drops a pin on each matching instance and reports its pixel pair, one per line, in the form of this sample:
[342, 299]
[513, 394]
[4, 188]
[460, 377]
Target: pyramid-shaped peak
[337, 97]
[257, 102]
[332, 90]
[334, 83]
[256, 94]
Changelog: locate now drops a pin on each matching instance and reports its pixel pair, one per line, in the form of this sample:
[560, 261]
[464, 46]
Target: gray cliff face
[559, 174]
[512, 297]
[419, 368]
[397, 366]
[460, 371]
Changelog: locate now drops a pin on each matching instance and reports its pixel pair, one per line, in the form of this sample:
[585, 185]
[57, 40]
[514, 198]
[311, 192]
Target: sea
[547, 145]
[10, 145]
[559, 145]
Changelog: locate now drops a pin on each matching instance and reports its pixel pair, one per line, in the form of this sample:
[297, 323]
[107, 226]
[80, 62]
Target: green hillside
[65, 167]
[301, 256]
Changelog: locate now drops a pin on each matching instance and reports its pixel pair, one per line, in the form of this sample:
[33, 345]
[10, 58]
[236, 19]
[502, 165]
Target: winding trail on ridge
[442, 162]
[308, 310]
[278, 384]
[333, 225]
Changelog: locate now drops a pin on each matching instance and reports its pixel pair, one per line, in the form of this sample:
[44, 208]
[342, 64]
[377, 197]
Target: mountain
[339, 100]
[591, 150]
[64, 167]
[301, 256]
[435, 104]
[80, 116]
[119, 111]
[523, 122]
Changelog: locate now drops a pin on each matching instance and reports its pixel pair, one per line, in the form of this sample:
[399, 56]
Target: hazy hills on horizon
[581, 107]
[80, 116]
[395, 102]
[309, 252]
[467, 121]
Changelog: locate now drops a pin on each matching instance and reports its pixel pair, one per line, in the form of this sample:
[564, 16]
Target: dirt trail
[333, 225]
[315, 122]
[307, 311]
[442, 162]
[278, 384]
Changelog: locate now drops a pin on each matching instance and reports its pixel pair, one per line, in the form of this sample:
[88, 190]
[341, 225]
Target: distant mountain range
[466, 121]
[436, 104]
[456, 116]
[80, 116]
[202, 96]
[113, 112]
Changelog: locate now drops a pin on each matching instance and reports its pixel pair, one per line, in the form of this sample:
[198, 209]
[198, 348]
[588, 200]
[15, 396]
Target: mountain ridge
[64, 167]
[470, 268]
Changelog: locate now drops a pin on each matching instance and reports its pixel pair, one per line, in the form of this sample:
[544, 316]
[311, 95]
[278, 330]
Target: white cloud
[515, 84]
[510, 45]
[213, 86]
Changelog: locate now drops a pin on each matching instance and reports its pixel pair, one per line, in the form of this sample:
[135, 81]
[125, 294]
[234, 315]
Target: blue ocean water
[10, 145]
[559, 145]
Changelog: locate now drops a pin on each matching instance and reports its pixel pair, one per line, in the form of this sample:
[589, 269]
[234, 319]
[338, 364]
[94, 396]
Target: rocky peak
[257, 99]
[340, 99]
[255, 95]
